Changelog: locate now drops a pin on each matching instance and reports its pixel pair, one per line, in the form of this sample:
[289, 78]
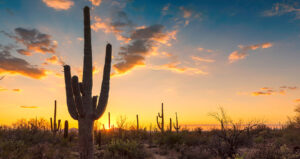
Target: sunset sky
[194, 56]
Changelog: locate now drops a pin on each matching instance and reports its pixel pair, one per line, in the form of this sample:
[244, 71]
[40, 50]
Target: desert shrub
[31, 141]
[190, 139]
[291, 136]
[125, 149]
[170, 139]
[195, 153]
[271, 151]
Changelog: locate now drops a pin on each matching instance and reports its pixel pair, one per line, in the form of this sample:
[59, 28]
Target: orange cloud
[32, 107]
[108, 27]
[17, 90]
[59, 4]
[297, 100]
[260, 93]
[96, 2]
[200, 59]
[174, 67]
[269, 91]
[53, 59]
[143, 42]
[186, 13]
[266, 88]
[33, 40]
[13, 65]
[243, 51]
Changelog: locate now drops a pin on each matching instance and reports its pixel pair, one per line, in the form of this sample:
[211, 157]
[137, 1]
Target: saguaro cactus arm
[78, 99]
[105, 84]
[158, 125]
[69, 93]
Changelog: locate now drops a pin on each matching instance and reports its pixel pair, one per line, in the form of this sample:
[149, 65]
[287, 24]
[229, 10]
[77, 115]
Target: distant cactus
[108, 120]
[82, 106]
[54, 126]
[176, 127]
[170, 126]
[66, 129]
[161, 125]
[137, 122]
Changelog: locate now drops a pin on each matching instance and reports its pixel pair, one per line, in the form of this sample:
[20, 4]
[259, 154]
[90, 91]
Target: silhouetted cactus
[170, 126]
[66, 129]
[82, 106]
[54, 126]
[161, 125]
[137, 122]
[176, 127]
[108, 120]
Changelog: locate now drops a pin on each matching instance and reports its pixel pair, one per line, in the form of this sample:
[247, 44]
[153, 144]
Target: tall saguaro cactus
[82, 106]
[161, 125]
[176, 127]
[54, 126]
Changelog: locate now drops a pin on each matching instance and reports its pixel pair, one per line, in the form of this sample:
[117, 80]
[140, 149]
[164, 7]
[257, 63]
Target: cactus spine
[137, 122]
[82, 106]
[176, 127]
[161, 125]
[54, 126]
[66, 129]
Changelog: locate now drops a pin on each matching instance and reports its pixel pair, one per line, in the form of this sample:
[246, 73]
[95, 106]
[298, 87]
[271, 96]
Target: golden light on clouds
[17, 90]
[30, 107]
[59, 4]
[96, 2]
[243, 51]
[200, 59]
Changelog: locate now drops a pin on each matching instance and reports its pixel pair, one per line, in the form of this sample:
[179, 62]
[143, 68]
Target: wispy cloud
[55, 60]
[200, 59]
[116, 26]
[188, 15]
[14, 65]
[297, 100]
[205, 50]
[14, 90]
[165, 9]
[143, 42]
[17, 90]
[59, 4]
[30, 107]
[96, 2]
[270, 91]
[175, 67]
[279, 9]
[243, 51]
[33, 40]
[259, 93]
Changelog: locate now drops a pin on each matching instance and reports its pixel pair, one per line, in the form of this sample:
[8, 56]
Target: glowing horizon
[193, 56]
